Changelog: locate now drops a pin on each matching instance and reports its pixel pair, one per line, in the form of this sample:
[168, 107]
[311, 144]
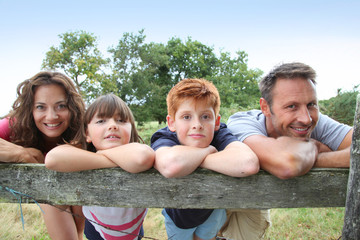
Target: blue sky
[323, 34]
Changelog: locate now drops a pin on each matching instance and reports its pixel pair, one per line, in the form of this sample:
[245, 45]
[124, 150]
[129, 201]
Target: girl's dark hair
[106, 106]
[23, 129]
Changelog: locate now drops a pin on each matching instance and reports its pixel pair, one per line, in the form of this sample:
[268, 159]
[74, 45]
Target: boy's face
[194, 123]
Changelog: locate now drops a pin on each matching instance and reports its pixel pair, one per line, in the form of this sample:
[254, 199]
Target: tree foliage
[143, 73]
[342, 106]
[78, 56]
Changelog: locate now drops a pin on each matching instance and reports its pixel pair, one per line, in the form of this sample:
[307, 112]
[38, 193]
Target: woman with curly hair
[48, 112]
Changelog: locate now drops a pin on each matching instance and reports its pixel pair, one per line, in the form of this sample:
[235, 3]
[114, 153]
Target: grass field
[287, 224]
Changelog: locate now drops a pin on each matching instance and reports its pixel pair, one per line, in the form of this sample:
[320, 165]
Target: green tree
[237, 85]
[342, 106]
[78, 56]
[143, 73]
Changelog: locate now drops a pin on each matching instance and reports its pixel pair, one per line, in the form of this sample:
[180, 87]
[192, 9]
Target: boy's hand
[211, 149]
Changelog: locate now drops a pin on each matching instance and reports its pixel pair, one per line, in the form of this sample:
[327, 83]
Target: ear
[170, 123]
[265, 107]
[88, 138]
[217, 122]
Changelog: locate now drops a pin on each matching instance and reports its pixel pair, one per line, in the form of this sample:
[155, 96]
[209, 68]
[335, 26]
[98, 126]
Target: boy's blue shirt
[189, 218]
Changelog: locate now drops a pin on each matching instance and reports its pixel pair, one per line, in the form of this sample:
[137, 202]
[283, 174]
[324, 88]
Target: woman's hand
[10, 152]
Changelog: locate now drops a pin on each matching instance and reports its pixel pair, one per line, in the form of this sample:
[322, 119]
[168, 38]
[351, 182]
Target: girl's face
[105, 133]
[50, 111]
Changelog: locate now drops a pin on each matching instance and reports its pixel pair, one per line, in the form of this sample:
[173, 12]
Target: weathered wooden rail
[202, 189]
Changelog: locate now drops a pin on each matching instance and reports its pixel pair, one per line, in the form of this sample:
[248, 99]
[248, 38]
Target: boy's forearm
[236, 160]
[179, 161]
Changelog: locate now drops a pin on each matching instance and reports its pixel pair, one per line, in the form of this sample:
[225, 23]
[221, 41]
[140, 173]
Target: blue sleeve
[164, 138]
[222, 138]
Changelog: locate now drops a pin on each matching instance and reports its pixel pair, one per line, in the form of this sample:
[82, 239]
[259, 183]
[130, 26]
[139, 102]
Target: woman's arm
[10, 152]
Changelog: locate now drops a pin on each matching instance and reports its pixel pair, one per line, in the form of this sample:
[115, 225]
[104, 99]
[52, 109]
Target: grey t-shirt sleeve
[327, 130]
[245, 124]
[330, 132]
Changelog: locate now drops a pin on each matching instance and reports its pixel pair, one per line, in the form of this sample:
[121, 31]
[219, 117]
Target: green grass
[287, 224]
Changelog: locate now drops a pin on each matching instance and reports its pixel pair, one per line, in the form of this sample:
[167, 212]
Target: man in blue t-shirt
[196, 138]
[288, 134]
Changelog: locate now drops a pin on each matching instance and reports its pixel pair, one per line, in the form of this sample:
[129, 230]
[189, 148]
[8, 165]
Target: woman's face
[50, 111]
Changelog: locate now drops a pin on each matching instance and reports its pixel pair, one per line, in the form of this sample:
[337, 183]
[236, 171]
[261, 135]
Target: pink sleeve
[5, 129]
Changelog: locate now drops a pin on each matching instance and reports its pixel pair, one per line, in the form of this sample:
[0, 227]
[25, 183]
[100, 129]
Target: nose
[197, 124]
[51, 114]
[112, 124]
[304, 116]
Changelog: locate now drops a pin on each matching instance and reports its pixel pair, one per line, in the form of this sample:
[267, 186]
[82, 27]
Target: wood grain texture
[201, 189]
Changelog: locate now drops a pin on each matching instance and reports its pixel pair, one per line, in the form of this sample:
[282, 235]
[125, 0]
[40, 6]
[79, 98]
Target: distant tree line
[342, 106]
[143, 73]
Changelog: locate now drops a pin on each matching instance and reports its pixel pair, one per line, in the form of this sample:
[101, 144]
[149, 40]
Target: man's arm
[179, 160]
[339, 158]
[236, 160]
[284, 157]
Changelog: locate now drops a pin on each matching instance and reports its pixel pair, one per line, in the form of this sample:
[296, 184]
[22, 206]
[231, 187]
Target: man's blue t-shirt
[189, 218]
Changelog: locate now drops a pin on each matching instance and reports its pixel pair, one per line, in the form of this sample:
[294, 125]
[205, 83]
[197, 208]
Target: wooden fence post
[351, 229]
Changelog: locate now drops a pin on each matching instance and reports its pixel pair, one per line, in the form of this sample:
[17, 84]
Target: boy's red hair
[197, 89]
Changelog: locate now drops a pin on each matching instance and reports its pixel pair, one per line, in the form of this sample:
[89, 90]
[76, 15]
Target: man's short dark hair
[288, 71]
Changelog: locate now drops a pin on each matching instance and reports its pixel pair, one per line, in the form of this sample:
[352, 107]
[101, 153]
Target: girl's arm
[132, 157]
[67, 158]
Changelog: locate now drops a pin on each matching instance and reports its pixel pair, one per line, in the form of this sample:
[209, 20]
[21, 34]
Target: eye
[291, 106]
[206, 117]
[39, 107]
[99, 121]
[312, 104]
[186, 117]
[121, 121]
[62, 106]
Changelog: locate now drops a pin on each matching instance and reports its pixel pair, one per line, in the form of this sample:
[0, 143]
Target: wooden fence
[201, 189]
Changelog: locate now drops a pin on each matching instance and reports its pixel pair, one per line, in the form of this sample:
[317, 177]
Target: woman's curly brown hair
[23, 129]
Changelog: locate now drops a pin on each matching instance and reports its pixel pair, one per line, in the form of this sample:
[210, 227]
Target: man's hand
[321, 147]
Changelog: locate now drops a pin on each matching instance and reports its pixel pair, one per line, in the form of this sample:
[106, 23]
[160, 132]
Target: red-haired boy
[195, 138]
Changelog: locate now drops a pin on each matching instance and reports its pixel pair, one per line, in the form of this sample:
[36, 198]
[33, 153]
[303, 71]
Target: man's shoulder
[248, 123]
[255, 113]
[255, 116]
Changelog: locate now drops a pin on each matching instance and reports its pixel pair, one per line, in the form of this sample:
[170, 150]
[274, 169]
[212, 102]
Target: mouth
[52, 125]
[112, 137]
[301, 130]
[196, 135]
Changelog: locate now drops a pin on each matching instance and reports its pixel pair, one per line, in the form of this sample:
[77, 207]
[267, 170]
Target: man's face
[294, 111]
[194, 123]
